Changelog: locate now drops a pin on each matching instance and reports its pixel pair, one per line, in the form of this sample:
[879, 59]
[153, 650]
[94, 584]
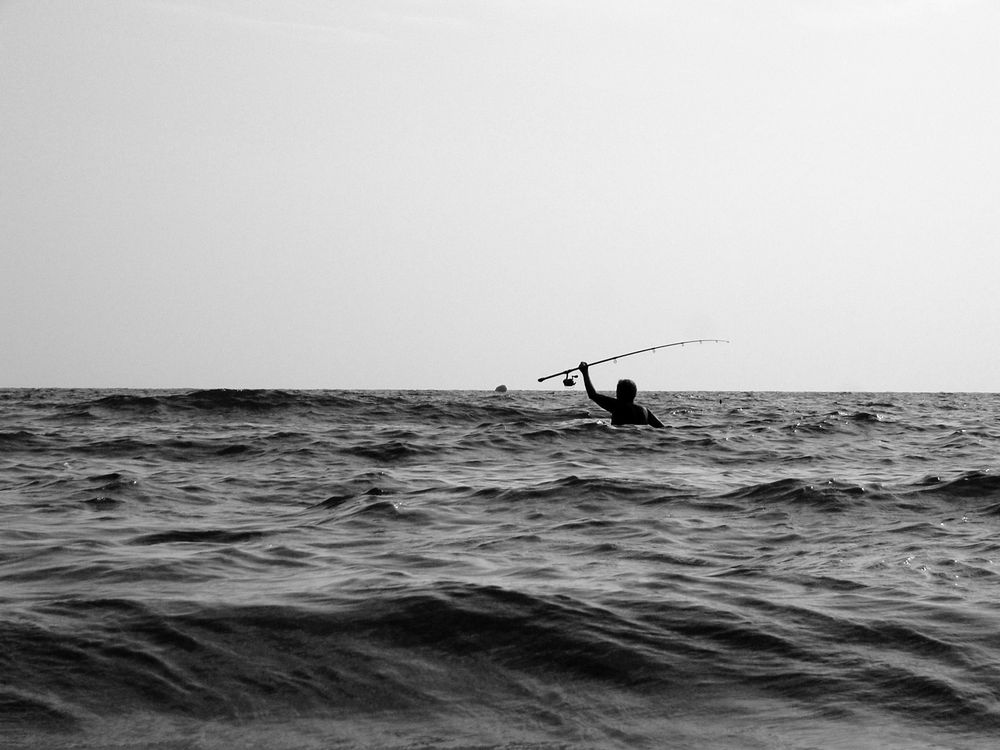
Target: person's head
[626, 390]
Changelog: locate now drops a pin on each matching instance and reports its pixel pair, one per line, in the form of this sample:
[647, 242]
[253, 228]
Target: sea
[475, 569]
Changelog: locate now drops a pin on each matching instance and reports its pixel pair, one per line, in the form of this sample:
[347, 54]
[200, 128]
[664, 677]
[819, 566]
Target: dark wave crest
[574, 487]
[206, 536]
[828, 495]
[18, 440]
[971, 484]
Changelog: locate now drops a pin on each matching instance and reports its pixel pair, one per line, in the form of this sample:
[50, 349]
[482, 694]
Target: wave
[391, 451]
[200, 536]
[19, 440]
[970, 484]
[124, 401]
[214, 399]
[429, 648]
[369, 404]
[401, 649]
[833, 494]
[572, 488]
[838, 421]
[828, 495]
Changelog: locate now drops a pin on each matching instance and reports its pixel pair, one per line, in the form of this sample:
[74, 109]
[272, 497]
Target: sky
[455, 194]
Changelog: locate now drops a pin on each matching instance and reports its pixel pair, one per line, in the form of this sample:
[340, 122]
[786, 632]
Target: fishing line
[568, 381]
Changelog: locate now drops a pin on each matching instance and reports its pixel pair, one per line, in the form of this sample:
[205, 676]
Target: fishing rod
[567, 381]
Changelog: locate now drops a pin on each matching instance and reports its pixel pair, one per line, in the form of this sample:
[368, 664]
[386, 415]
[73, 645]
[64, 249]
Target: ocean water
[433, 569]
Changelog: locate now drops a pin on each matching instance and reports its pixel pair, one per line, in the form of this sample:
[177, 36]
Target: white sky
[462, 193]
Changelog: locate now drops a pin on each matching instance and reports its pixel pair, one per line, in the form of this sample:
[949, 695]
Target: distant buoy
[501, 388]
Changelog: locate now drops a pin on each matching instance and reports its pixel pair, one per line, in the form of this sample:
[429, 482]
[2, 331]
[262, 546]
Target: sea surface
[443, 569]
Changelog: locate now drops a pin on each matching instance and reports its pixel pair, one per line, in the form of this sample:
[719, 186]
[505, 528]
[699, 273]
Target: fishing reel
[569, 380]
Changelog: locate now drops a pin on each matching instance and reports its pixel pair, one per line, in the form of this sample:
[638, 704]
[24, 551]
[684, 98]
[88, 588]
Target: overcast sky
[463, 193]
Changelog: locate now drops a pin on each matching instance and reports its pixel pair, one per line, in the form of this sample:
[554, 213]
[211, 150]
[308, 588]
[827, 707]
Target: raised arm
[605, 402]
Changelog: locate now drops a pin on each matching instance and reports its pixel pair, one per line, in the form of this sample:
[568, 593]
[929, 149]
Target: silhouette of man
[624, 409]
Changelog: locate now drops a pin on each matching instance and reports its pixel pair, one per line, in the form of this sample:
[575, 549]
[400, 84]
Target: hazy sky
[463, 193]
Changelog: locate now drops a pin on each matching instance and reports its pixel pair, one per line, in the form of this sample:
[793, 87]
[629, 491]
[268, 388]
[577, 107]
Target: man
[623, 409]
